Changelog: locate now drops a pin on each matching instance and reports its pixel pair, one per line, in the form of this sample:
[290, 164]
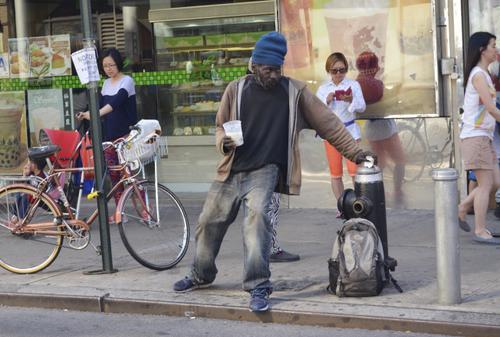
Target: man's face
[267, 76]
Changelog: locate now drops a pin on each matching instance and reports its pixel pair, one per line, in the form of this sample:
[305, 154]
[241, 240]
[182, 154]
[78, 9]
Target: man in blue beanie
[272, 109]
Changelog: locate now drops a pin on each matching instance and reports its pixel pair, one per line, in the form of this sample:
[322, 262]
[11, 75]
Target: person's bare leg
[481, 201]
[337, 187]
[466, 204]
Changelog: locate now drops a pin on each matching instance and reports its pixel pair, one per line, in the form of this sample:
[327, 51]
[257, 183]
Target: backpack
[357, 267]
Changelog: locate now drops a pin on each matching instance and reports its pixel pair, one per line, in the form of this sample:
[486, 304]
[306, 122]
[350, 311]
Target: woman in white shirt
[477, 131]
[345, 98]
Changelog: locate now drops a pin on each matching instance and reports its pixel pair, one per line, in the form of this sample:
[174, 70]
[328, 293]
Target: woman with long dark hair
[477, 131]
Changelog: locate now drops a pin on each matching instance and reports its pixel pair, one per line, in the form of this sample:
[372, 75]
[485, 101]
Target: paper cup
[233, 130]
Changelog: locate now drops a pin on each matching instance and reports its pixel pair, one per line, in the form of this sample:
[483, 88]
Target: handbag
[87, 156]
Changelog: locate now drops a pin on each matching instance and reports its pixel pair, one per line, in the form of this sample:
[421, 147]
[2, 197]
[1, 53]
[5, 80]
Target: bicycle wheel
[27, 251]
[415, 152]
[154, 230]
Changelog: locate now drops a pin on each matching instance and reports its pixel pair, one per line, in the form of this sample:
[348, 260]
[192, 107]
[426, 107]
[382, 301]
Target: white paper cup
[233, 130]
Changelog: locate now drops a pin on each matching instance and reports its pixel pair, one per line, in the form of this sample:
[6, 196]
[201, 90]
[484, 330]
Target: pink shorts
[478, 153]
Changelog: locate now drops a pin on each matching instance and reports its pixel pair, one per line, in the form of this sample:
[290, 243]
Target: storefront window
[483, 16]
[38, 86]
[197, 58]
[388, 44]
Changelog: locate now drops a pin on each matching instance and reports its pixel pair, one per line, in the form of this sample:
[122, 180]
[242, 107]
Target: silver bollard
[447, 247]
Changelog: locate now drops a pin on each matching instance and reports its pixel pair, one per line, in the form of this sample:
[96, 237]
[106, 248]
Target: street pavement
[299, 296]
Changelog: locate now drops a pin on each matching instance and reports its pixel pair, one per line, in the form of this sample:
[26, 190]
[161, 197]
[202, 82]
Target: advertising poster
[296, 27]
[61, 55]
[4, 65]
[19, 58]
[388, 46]
[45, 110]
[40, 54]
[13, 132]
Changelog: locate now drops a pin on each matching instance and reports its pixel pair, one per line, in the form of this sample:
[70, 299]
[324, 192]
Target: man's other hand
[364, 157]
[228, 144]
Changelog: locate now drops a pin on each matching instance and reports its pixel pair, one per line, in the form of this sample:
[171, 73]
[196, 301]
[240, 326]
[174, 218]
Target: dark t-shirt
[264, 121]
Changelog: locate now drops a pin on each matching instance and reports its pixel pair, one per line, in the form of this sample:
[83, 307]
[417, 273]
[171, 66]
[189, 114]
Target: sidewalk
[299, 296]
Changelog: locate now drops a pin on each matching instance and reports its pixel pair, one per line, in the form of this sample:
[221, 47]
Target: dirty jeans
[254, 190]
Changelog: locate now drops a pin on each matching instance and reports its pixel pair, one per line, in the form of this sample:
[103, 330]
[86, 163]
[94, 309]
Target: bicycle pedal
[98, 250]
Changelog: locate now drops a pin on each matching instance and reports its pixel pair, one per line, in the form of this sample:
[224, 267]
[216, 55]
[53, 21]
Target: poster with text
[4, 65]
[61, 55]
[45, 110]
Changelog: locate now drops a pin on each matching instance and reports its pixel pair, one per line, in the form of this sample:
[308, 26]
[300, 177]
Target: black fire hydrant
[368, 201]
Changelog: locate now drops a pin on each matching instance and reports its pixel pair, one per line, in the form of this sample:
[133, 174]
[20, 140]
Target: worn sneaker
[188, 284]
[283, 256]
[259, 299]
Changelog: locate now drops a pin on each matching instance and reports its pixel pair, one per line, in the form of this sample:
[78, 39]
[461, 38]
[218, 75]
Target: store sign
[85, 62]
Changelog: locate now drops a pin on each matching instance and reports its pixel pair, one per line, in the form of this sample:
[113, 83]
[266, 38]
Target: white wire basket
[145, 150]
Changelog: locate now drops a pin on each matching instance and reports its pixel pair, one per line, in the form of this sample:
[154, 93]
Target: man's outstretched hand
[364, 156]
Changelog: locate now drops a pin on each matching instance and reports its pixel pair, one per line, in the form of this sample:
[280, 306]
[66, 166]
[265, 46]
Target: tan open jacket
[306, 112]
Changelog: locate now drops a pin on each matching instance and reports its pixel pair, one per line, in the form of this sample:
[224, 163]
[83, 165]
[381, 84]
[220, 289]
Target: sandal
[464, 225]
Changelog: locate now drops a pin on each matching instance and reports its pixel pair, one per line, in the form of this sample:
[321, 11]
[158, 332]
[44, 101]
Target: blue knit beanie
[270, 49]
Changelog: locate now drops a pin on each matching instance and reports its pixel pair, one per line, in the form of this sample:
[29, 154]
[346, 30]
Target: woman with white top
[477, 131]
[345, 98]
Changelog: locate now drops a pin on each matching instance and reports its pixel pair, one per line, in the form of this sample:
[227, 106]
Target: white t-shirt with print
[476, 120]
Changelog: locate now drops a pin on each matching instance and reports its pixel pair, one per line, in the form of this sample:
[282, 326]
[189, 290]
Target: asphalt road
[31, 322]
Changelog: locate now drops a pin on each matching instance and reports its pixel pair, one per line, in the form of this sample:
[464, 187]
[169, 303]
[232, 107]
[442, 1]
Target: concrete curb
[107, 304]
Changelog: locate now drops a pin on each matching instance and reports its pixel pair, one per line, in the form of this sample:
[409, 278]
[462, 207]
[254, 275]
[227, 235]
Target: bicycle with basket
[151, 220]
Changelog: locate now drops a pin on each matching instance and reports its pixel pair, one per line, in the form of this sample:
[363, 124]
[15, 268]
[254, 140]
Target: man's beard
[266, 84]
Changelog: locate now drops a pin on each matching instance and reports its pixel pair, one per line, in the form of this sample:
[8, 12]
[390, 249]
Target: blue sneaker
[259, 299]
[188, 284]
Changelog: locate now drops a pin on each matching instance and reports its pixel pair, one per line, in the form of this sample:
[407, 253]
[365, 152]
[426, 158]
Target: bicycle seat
[42, 152]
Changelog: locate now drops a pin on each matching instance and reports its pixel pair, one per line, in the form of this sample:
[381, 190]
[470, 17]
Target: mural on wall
[399, 77]
[13, 139]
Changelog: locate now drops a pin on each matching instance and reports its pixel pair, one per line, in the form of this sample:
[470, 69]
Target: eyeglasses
[109, 65]
[334, 71]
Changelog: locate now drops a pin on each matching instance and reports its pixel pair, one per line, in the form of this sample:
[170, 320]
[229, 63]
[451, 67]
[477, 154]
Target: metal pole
[447, 247]
[107, 261]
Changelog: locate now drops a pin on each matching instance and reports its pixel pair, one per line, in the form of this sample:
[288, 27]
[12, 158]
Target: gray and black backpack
[357, 267]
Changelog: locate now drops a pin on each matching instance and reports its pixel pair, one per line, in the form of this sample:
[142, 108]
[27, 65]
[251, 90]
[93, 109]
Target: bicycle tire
[27, 253]
[158, 245]
[415, 152]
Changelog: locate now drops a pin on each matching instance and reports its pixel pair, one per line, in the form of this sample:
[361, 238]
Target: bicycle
[419, 150]
[151, 220]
